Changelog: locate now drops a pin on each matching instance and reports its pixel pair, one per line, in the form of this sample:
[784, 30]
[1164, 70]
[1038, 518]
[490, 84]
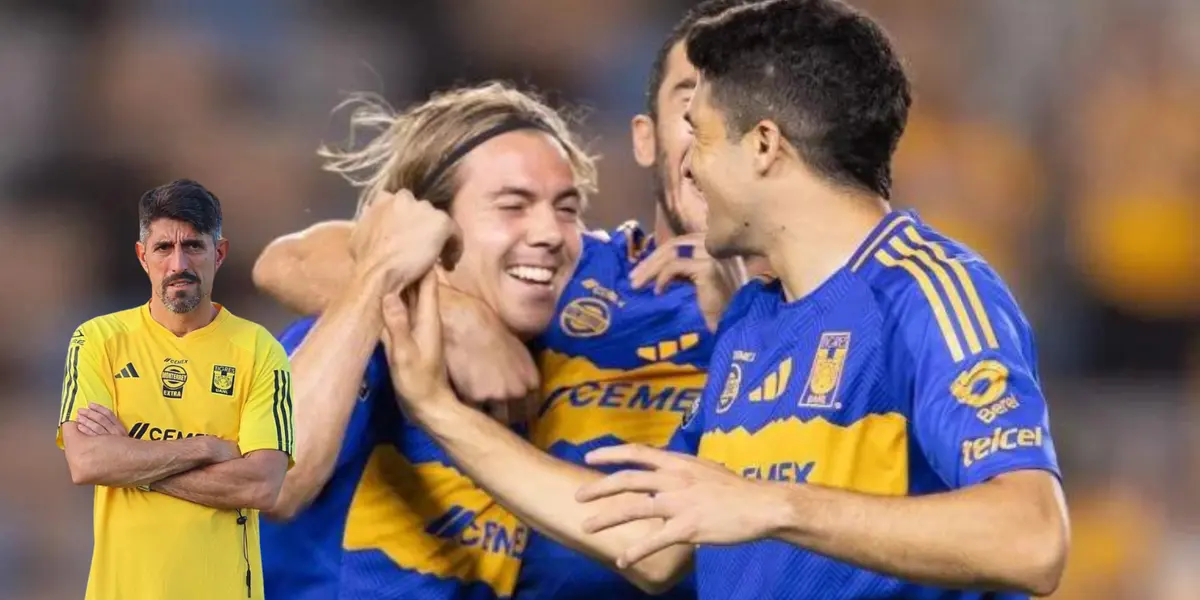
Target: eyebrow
[685, 84]
[526, 193]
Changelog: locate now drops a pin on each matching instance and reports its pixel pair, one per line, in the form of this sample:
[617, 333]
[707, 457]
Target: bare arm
[327, 369]
[252, 481]
[1007, 533]
[120, 461]
[307, 271]
[540, 490]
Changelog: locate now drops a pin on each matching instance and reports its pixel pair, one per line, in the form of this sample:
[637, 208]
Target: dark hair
[181, 200]
[703, 10]
[823, 72]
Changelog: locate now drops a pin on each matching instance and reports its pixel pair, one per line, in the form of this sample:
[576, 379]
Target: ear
[766, 145]
[222, 251]
[645, 146]
[140, 249]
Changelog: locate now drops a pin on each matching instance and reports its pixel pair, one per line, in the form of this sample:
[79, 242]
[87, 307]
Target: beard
[183, 300]
[674, 219]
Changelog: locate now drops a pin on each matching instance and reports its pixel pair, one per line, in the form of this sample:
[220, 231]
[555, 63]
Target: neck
[182, 324]
[808, 242]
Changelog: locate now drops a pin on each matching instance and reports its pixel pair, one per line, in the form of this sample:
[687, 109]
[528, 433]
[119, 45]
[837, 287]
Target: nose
[177, 262]
[543, 227]
[685, 166]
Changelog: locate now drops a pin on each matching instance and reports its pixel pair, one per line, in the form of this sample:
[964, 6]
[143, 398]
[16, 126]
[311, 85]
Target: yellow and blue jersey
[618, 366]
[910, 371]
[395, 520]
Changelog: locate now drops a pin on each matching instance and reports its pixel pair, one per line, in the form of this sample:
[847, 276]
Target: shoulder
[249, 334]
[627, 242]
[752, 299]
[104, 327]
[931, 287]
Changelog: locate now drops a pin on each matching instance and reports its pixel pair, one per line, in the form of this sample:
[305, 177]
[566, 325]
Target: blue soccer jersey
[396, 519]
[910, 371]
[618, 366]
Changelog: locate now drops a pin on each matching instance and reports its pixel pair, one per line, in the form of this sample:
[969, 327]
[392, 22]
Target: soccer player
[374, 509]
[181, 415]
[623, 360]
[874, 425]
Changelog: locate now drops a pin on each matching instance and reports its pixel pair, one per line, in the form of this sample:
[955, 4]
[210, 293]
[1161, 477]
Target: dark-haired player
[874, 426]
[180, 414]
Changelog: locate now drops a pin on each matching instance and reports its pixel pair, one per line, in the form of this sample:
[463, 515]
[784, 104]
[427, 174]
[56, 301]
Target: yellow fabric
[230, 379]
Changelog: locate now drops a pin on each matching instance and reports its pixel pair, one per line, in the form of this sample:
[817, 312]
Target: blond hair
[406, 148]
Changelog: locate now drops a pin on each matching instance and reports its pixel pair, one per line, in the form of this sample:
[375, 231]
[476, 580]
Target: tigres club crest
[733, 385]
[826, 372]
[222, 380]
[585, 317]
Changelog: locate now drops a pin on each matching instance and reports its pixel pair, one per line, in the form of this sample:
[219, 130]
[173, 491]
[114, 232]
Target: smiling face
[723, 170]
[681, 204]
[518, 210]
[181, 263]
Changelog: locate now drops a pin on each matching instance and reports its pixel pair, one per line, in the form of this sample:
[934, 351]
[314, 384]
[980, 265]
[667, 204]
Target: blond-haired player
[374, 509]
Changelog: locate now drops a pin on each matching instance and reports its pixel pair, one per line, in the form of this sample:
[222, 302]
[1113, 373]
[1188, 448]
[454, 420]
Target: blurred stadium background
[1060, 138]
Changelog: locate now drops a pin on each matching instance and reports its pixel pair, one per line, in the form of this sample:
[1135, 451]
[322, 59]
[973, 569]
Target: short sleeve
[267, 413]
[978, 407]
[87, 378]
[360, 435]
[686, 439]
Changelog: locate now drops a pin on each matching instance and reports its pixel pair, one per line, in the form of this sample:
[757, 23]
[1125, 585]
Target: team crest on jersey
[733, 385]
[826, 372]
[585, 317]
[222, 380]
[173, 378]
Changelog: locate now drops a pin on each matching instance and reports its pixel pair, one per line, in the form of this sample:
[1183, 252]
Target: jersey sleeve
[87, 378]
[978, 407]
[267, 413]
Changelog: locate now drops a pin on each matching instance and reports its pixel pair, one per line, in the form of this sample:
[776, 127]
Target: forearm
[119, 461]
[327, 370]
[231, 485]
[984, 536]
[541, 489]
[309, 270]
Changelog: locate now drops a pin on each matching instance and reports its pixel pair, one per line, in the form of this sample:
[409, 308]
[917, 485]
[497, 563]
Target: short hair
[181, 200]
[408, 148]
[825, 73]
[658, 69]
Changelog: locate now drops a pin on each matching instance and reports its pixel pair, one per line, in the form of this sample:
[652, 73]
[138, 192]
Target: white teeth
[531, 274]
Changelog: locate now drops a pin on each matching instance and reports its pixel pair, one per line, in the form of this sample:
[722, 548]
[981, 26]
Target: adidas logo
[128, 371]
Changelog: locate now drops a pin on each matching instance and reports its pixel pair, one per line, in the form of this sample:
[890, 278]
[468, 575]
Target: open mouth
[531, 274]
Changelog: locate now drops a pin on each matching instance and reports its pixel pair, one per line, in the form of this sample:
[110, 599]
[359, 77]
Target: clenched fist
[399, 238]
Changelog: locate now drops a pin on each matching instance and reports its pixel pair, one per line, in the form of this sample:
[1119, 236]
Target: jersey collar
[885, 229]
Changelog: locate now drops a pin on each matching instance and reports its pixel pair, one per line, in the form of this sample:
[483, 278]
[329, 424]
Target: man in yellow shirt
[181, 415]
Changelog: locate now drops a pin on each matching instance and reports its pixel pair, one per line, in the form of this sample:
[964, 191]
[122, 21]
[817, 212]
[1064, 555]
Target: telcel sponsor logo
[978, 449]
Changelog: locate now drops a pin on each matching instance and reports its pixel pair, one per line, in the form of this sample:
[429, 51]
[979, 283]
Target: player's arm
[266, 438]
[536, 487]
[308, 270]
[115, 460]
[1003, 527]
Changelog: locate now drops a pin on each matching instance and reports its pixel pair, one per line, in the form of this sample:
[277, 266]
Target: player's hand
[700, 502]
[96, 419]
[487, 363]
[399, 238]
[412, 337]
[684, 258]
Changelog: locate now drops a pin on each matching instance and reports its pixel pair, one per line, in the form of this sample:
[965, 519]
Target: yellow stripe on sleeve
[882, 235]
[964, 278]
[935, 301]
[956, 301]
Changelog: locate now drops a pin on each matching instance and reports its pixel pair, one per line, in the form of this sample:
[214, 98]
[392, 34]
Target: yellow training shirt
[229, 379]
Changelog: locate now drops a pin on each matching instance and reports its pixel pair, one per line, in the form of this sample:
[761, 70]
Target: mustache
[188, 277]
